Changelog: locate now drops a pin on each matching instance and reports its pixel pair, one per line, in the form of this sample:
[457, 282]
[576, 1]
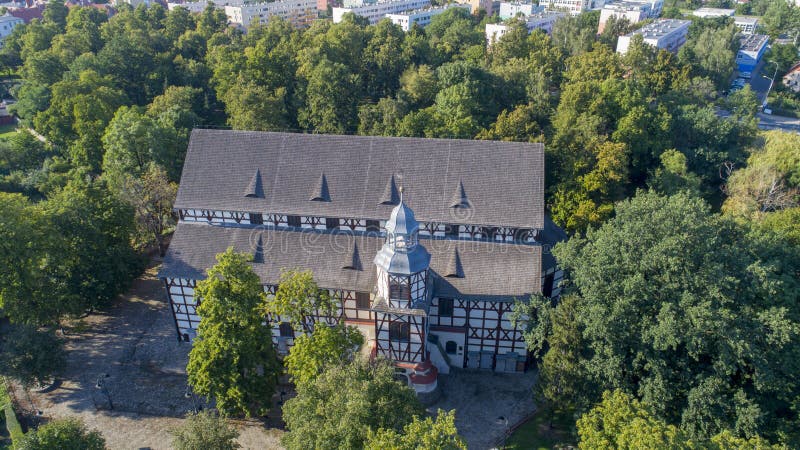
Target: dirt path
[132, 352]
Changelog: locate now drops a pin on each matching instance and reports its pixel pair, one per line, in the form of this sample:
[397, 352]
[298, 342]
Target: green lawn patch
[9, 417]
[6, 131]
[543, 431]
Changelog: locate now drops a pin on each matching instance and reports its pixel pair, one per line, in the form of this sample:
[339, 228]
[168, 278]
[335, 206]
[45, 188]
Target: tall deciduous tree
[233, 359]
[151, 197]
[298, 298]
[426, 433]
[340, 407]
[324, 347]
[687, 311]
[205, 431]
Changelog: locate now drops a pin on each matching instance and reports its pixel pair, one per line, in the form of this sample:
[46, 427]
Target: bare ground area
[132, 350]
[487, 404]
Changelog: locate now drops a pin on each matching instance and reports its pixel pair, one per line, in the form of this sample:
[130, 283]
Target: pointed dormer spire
[258, 252]
[255, 187]
[454, 268]
[389, 196]
[320, 193]
[460, 199]
[352, 260]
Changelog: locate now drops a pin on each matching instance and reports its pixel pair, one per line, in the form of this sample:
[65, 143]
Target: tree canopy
[688, 311]
[344, 403]
[233, 359]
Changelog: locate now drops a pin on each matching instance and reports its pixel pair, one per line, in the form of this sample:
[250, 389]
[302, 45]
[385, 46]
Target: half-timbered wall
[182, 302]
[411, 350]
[210, 216]
[439, 230]
[486, 325]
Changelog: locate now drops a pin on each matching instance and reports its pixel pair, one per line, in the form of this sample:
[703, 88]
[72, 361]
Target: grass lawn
[6, 131]
[536, 434]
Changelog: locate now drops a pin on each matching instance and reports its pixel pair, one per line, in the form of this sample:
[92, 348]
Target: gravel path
[133, 351]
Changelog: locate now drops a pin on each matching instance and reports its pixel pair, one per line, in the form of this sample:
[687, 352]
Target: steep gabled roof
[488, 274]
[453, 269]
[390, 194]
[504, 181]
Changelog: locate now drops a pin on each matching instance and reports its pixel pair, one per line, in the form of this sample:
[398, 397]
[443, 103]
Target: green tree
[205, 431]
[233, 359]
[330, 98]
[770, 181]
[78, 114]
[427, 433]
[151, 197]
[324, 347]
[56, 13]
[31, 356]
[96, 257]
[63, 434]
[340, 407]
[132, 141]
[676, 304]
[298, 298]
[30, 276]
[673, 175]
[621, 422]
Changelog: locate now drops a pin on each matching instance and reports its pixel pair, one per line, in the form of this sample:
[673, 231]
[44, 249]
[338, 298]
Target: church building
[424, 243]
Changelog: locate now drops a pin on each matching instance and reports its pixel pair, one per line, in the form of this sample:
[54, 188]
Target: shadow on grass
[547, 429]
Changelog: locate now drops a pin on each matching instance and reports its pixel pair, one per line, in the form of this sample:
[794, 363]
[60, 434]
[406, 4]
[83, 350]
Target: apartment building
[299, 13]
[634, 12]
[667, 34]
[420, 17]
[375, 12]
[514, 9]
[541, 21]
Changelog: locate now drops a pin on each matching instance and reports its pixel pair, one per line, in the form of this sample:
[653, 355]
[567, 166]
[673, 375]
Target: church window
[331, 223]
[451, 231]
[445, 307]
[362, 300]
[399, 331]
[399, 291]
[373, 225]
[256, 219]
[293, 221]
[451, 347]
[286, 330]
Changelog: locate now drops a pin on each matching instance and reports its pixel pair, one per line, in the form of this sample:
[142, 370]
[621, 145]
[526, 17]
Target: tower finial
[401, 194]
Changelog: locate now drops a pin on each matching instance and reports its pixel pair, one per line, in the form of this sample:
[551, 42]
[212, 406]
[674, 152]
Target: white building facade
[633, 12]
[7, 25]
[574, 7]
[666, 34]
[420, 17]
[509, 10]
[375, 12]
[706, 13]
[747, 25]
[541, 21]
[299, 13]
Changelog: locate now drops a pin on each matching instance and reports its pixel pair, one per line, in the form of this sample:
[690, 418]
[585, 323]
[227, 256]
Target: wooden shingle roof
[494, 183]
[341, 260]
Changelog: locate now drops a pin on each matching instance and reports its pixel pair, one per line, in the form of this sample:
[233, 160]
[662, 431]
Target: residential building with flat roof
[299, 13]
[420, 17]
[574, 7]
[750, 52]
[667, 34]
[375, 12]
[541, 21]
[705, 13]
[509, 10]
[634, 12]
[747, 25]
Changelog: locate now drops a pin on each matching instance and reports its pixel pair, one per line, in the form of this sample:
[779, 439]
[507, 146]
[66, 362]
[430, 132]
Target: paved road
[770, 122]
